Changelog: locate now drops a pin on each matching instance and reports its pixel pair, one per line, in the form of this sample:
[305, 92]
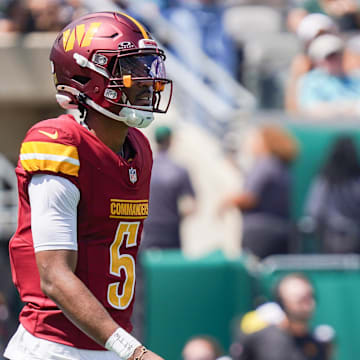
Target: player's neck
[298, 328]
[111, 132]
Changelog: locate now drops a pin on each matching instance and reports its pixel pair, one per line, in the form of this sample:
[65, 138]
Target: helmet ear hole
[83, 80]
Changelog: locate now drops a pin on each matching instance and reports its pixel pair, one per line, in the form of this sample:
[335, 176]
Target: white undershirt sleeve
[53, 201]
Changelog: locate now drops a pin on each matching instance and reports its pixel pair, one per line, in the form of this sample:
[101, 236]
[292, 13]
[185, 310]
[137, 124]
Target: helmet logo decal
[147, 43]
[83, 38]
[110, 94]
[126, 45]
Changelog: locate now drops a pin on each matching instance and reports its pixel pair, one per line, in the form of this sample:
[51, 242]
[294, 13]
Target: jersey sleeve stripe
[59, 158]
[49, 165]
[49, 148]
[45, 156]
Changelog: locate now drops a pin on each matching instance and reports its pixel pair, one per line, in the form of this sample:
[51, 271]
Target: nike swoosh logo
[50, 135]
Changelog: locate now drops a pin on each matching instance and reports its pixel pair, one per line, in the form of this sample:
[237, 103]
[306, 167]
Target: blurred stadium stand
[27, 91]
[200, 89]
[26, 96]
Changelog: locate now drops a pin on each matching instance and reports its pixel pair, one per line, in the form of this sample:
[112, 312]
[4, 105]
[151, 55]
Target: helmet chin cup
[136, 118]
[131, 117]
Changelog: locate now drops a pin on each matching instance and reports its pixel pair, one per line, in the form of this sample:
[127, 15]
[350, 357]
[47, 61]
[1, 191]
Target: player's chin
[143, 102]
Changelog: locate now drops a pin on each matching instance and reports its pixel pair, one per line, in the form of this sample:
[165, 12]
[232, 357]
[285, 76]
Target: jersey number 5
[120, 298]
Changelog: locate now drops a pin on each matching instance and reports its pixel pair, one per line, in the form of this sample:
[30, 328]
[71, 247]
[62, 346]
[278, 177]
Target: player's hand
[148, 355]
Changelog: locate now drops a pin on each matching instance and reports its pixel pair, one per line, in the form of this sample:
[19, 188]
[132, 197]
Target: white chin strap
[131, 117]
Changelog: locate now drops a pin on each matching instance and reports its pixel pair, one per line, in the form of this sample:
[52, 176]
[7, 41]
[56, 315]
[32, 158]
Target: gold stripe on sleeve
[46, 156]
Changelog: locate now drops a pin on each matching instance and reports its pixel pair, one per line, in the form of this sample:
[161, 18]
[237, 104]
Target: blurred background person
[344, 12]
[352, 56]
[326, 91]
[45, 14]
[53, 15]
[172, 196]
[333, 201]
[15, 17]
[265, 199]
[310, 27]
[202, 347]
[282, 330]
[26, 16]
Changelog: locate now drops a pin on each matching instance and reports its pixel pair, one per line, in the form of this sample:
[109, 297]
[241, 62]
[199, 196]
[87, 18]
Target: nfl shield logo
[132, 175]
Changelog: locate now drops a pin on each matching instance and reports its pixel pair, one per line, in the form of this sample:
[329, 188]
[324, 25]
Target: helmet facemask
[136, 84]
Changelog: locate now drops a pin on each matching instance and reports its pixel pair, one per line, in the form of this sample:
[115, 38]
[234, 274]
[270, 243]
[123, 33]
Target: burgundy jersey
[113, 204]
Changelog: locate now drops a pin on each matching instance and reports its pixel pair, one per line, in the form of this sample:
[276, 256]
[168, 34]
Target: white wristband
[122, 343]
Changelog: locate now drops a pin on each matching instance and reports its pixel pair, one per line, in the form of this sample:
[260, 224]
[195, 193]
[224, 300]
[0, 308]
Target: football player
[83, 194]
